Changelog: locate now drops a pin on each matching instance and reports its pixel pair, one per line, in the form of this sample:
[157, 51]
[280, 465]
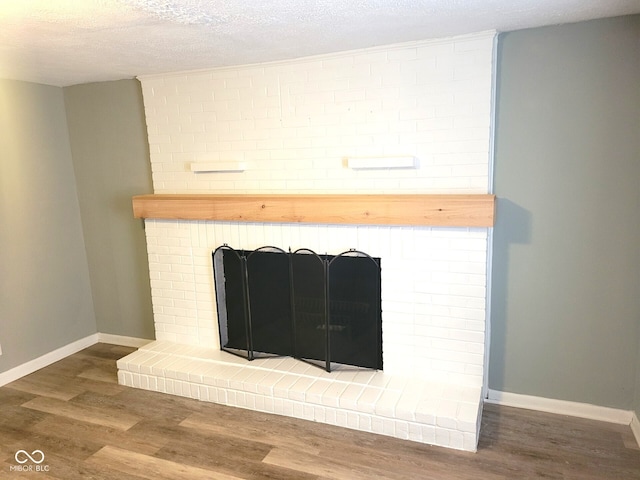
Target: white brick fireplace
[288, 127]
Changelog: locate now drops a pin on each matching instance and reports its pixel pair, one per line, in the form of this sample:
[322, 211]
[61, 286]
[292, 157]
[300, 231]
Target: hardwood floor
[88, 426]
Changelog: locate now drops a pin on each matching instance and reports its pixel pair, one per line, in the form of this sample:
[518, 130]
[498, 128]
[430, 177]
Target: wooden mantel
[471, 210]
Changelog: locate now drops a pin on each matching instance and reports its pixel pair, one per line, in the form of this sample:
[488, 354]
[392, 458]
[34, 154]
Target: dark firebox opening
[322, 309]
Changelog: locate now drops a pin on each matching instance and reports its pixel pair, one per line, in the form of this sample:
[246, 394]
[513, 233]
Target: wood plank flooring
[88, 426]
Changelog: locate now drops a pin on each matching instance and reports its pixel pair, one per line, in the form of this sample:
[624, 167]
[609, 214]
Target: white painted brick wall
[433, 316]
[293, 124]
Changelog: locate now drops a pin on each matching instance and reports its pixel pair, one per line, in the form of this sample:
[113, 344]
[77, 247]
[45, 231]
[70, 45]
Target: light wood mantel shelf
[471, 210]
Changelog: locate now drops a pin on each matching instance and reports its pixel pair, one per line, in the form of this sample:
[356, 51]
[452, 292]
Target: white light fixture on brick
[372, 163]
[217, 167]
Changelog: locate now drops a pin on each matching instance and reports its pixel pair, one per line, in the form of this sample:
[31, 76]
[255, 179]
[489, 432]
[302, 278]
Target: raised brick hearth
[402, 407]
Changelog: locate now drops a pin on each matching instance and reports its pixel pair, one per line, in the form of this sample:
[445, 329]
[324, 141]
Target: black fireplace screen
[320, 309]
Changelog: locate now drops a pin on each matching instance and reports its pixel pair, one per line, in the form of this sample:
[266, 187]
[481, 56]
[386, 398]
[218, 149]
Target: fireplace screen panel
[309, 312]
[321, 309]
[354, 283]
[269, 302]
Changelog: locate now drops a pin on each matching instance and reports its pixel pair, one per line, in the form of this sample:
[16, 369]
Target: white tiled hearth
[402, 407]
[292, 125]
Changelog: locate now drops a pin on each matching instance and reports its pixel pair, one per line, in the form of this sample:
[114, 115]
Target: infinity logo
[29, 457]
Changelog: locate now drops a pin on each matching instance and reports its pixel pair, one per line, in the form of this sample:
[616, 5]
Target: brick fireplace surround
[287, 127]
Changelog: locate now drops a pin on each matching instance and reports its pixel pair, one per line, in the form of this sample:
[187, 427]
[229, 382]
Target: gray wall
[45, 296]
[111, 160]
[566, 272]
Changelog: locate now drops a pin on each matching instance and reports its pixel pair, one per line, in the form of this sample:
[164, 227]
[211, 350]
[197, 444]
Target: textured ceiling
[66, 42]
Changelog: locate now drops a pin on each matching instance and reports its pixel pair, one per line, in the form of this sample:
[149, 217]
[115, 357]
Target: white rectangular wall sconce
[217, 167]
[372, 163]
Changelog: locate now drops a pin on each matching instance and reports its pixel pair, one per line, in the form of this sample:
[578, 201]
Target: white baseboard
[562, 407]
[122, 340]
[635, 427]
[62, 352]
[47, 359]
